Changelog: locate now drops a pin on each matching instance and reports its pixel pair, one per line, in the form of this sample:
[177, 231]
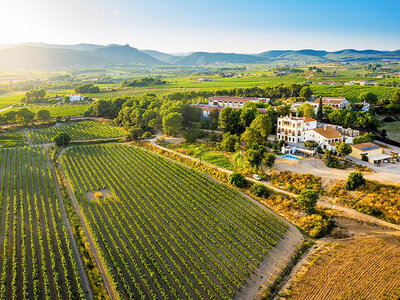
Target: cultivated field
[165, 231]
[85, 130]
[12, 139]
[36, 260]
[366, 268]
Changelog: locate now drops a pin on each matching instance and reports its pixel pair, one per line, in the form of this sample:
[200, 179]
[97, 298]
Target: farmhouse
[370, 152]
[220, 102]
[334, 102]
[75, 97]
[325, 136]
[290, 129]
[233, 101]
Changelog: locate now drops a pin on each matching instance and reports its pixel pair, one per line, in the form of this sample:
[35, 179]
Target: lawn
[392, 130]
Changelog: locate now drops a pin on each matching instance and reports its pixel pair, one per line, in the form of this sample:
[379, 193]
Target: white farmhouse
[75, 97]
[334, 102]
[290, 129]
[325, 136]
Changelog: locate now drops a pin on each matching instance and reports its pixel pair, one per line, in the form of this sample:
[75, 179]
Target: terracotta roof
[328, 132]
[205, 107]
[305, 119]
[244, 99]
[330, 100]
[366, 146]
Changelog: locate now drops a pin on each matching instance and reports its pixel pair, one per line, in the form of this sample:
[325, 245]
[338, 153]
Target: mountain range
[40, 55]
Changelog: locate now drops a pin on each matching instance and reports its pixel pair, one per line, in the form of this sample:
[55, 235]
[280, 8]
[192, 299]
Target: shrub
[307, 200]
[269, 159]
[260, 190]
[62, 139]
[354, 180]
[314, 225]
[147, 134]
[237, 179]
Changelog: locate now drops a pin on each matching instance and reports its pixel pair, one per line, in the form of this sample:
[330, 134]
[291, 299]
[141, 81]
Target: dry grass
[363, 268]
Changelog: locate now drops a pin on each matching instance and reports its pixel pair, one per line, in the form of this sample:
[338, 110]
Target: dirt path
[102, 269]
[84, 279]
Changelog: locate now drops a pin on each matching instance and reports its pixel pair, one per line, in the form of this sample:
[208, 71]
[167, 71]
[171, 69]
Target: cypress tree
[320, 113]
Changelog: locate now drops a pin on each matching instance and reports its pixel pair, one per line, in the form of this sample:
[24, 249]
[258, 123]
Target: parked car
[257, 177]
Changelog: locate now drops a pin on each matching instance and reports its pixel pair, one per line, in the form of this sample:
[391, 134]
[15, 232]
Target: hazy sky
[246, 26]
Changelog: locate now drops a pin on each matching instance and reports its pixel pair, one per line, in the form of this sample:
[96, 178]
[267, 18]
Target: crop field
[85, 130]
[36, 260]
[166, 231]
[367, 268]
[10, 99]
[59, 111]
[201, 151]
[12, 139]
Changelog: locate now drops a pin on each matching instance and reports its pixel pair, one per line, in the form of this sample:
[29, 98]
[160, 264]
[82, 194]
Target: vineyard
[36, 260]
[366, 268]
[166, 231]
[85, 130]
[12, 139]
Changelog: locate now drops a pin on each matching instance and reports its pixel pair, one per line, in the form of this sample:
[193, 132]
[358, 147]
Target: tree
[320, 112]
[214, 118]
[134, 133]
[330, 160]
[368, 97]
[230, 142]
[251, 135]
[229, 121]
[191, 114]
[172, 123]
[24, 116]
[247, 115]
[306, 110]
[254, 157]
[269, 159]
[354, 180]
[260, 190]
[306, 92]
[263, 124]
[396, 97]
[43, 115]
[310, 144]
[307, 200]
[62, 139]
[343, 149]
[366, 138]
[237, 179]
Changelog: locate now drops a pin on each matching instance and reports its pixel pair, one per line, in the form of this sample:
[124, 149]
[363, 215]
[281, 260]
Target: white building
[301, 129]
[334, 102]
[325, 136]
[290, 129]
[223, 101]
[74, 97]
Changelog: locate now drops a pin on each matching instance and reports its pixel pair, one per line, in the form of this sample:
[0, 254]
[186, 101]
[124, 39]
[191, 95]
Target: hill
[34, 56]
[206, 58]
[40, 55]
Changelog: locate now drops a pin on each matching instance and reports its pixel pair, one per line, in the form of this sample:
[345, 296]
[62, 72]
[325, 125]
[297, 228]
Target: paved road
[85, 281]
[106, 279]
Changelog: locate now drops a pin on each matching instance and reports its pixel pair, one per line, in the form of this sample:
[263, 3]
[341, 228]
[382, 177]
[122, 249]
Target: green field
[84, 130]
[59, 110]
[36, 259]
[12, 139]
[214, 157]
[166, 231]
[10, 99]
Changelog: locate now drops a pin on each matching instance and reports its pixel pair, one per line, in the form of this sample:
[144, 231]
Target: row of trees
[143, 82]
[86, 88]
[35, 96]
[24, 116]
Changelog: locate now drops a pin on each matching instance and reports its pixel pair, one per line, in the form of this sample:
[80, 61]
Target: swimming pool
[290, 156]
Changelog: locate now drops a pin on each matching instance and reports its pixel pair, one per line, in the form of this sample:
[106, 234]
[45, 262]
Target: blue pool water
[289, 156]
